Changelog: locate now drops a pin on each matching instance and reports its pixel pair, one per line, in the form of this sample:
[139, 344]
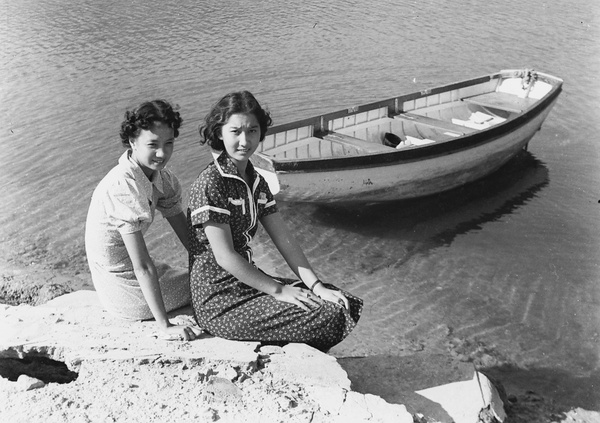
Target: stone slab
[74, 327]
[397, 379]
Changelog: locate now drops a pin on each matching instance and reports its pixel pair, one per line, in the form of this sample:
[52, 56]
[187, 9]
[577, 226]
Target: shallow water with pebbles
[505, 270]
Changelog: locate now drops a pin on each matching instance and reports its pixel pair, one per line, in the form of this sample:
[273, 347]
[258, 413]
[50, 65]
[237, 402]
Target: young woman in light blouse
[130, 285]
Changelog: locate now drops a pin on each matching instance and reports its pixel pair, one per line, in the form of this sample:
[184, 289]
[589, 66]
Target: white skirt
[121, 294]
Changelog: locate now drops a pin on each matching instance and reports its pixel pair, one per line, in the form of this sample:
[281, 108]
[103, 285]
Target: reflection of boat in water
[436, 220]
[408, 146]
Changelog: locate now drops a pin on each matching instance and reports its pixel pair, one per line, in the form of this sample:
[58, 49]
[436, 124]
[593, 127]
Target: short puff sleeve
[208, 200]
[126, 206]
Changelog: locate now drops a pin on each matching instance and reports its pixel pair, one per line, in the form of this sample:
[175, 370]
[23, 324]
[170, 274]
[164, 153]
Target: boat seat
[371, 131]
[435, 123]
[479, 120]
[291, 146]
[370, 147]
[502, 101]
[418, 141]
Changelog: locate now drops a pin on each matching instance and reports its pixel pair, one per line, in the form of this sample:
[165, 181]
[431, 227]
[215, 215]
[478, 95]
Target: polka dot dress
[225, 306]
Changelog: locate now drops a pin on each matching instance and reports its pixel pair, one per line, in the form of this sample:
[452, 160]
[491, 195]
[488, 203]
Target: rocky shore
[119, 371]
[63, 359]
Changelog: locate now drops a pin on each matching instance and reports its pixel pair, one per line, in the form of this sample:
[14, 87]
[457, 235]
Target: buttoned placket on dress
[253, 208]
[153, 187]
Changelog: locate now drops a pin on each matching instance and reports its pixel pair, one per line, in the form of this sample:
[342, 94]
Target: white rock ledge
[127, 373]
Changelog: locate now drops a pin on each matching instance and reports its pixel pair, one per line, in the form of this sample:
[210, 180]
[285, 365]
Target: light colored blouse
[125, 202]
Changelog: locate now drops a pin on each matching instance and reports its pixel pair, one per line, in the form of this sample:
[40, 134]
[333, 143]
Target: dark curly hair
[240, 102]
[146, 114]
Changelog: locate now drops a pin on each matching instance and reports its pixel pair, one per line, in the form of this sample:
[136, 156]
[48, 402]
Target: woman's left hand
[332, 295]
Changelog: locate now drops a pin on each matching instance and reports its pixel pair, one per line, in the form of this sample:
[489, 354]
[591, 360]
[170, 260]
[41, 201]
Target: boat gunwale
[422, 152]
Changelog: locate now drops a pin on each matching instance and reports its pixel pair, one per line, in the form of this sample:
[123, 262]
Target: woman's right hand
[303, 298]
[180, 332]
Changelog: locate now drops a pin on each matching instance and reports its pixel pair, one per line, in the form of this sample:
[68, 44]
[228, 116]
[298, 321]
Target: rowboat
[410, 145]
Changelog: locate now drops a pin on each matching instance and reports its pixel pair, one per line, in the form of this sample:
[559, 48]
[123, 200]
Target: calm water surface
[510, 264]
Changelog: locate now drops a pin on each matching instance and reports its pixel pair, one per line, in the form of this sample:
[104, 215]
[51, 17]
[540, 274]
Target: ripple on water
[510, 261]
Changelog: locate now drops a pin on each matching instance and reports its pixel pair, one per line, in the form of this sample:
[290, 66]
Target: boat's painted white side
[405, 180]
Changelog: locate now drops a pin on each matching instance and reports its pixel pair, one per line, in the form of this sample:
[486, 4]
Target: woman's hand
[180, 332]
[331, 295]
[303, 298]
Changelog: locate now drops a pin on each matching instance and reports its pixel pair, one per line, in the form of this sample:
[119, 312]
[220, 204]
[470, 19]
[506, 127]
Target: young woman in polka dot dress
[231, 297]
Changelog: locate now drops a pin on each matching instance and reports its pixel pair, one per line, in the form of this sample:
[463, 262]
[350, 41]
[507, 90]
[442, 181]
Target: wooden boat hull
[408, 173]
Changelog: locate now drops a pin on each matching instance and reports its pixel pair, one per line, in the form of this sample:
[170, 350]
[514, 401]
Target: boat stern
[264, 166]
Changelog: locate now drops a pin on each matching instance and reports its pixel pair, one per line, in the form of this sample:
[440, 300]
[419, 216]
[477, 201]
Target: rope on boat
[528, 80]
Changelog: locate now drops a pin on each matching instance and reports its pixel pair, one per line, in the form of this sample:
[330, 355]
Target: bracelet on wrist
[315, 283]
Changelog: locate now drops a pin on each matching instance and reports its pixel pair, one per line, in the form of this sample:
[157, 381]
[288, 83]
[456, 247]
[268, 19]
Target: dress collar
[227, 167]
[140, 177]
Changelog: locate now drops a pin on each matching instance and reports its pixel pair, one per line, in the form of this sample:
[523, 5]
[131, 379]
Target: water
[508, 267]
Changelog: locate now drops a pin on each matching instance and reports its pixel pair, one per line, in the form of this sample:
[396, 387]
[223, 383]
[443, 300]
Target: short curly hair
[145, 115]
[239, 102]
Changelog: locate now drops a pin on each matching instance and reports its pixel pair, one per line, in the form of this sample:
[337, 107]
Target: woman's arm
[221, 242]
[289, 248]
[294, 256]
[145, 273]
[179, 225]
